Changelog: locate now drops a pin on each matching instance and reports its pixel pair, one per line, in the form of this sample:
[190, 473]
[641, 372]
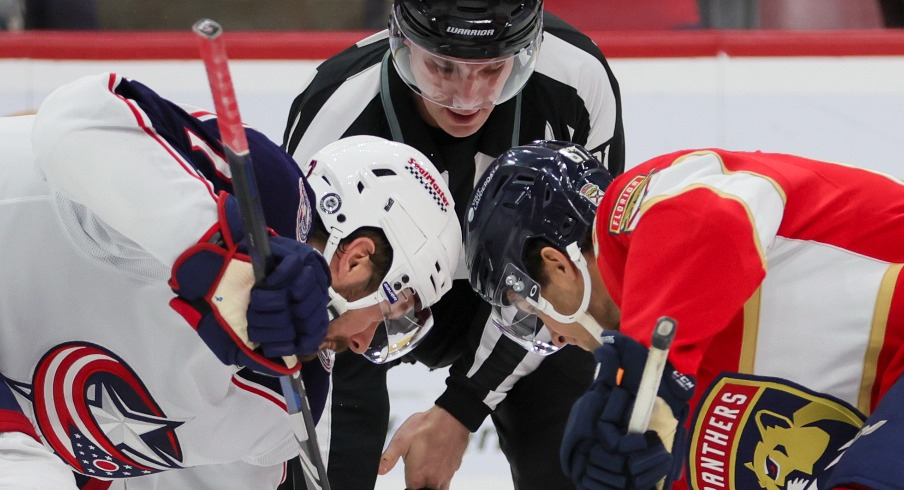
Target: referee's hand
[431, 444]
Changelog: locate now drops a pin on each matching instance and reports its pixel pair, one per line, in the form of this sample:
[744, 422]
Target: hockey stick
[663, 334]
[244, 184]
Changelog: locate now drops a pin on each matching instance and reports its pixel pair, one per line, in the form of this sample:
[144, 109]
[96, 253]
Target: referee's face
[457, 96]
[459, 83]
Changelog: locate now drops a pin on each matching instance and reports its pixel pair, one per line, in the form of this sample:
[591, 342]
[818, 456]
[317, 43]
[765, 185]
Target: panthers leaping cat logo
[791, 446]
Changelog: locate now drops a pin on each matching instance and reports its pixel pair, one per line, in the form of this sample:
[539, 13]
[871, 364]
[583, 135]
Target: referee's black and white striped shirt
[572, 95]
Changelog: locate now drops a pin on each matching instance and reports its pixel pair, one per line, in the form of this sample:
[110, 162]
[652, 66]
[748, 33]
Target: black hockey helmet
[466, 54]
[474, 29]
[546, 189]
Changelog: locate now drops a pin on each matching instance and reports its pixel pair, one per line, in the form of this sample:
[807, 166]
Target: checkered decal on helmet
[429, 182]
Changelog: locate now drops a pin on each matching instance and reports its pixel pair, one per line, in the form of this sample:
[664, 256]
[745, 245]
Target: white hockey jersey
[118, 384]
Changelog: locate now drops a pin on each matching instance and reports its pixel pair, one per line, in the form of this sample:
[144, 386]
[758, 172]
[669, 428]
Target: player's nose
[560, 340]
[359, 342]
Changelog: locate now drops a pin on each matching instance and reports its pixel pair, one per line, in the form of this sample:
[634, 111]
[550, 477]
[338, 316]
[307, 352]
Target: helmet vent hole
[496, 190]
[472, 7]
[433, 281]
[523, 179]
[567, 225]
[383, 172]
[547, 196]
[438, 269]
[360, 187]
[340, 218]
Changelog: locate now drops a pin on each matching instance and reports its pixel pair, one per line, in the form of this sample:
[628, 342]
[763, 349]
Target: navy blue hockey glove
[249, 326]
[597, 452]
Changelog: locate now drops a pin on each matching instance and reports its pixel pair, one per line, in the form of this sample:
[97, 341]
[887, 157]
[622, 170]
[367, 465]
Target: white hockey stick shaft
[663, 334]
[235, 143]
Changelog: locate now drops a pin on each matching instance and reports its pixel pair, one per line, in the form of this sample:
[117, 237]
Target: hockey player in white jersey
[125, 202]
[24, 462]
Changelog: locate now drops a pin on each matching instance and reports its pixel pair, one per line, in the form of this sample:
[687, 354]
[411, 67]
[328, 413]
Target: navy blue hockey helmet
[546, 189]
[440, 46]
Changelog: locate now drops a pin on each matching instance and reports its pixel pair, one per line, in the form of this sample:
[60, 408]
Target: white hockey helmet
[368, 181]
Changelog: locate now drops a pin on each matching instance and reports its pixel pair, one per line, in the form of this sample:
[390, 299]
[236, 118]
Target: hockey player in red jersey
[783, 274]
[115, 200]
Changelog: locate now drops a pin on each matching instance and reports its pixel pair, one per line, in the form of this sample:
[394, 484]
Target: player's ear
[558, 267]
[355, 266]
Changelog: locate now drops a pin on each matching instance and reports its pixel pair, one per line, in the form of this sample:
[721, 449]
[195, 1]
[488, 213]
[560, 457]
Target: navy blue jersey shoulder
[276, 172]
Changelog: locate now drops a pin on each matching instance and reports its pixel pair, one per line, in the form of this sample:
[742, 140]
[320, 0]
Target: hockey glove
[597, 452]
[248, 325]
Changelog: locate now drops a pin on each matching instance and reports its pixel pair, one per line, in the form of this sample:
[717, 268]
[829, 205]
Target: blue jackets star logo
[99, 417]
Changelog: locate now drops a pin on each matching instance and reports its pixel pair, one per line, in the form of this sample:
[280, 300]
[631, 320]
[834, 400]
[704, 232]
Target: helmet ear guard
[545, 190]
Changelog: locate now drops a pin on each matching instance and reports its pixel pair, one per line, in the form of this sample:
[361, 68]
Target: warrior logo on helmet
[470, 32]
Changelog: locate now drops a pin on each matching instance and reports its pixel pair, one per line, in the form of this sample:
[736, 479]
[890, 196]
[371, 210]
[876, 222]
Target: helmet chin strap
[337, 305]
[580, 316]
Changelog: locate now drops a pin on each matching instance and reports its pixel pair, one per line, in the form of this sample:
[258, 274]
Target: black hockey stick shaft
[244, 184]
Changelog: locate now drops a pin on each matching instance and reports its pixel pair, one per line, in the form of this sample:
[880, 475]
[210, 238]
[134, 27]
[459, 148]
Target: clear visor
[457, 83]
[405, 323]
[515, 304]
